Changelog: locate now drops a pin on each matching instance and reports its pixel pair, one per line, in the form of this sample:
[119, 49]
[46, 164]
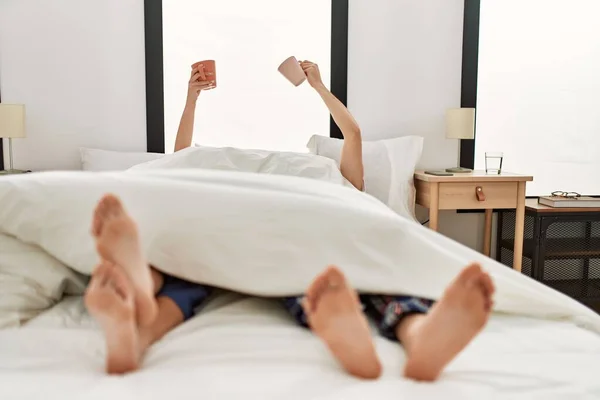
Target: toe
[102, 273]
[317, 287]
[101, 268]
[335, 277]
[115, 208]
[488, 284]
[98, 220]
[314, 288]
[104, 279]
[102, 208]
[96, 226]
[105, 206]
[471, 272]
[94, 283]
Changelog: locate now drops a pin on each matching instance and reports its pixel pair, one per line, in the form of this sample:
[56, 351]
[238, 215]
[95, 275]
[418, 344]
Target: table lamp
[460, 124]
[12, 125]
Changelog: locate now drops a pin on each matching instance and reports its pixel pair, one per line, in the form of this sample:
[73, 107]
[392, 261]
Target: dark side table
[561, 248]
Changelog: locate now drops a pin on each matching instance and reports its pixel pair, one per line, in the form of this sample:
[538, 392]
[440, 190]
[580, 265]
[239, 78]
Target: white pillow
[389, 167]
[259, 161]
[31, 281]
[106, 160]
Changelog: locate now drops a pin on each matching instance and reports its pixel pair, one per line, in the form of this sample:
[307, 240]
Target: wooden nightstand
[476, 191]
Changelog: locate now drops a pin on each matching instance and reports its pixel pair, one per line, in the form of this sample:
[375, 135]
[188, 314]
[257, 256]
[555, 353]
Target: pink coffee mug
[292, 71]
[207, 70]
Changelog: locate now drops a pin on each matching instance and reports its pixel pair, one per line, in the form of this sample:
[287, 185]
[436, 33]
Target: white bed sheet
[248, 348]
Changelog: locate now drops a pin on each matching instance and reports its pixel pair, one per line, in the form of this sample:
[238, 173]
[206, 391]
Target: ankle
[408, 328]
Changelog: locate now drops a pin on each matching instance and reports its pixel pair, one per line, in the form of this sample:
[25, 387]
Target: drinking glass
[493, 163]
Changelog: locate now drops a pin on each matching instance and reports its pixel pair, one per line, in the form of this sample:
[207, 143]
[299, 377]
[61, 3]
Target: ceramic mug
[292, 71]
[207, 70]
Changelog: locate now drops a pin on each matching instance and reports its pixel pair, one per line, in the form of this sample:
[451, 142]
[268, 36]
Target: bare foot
[109, 299]
[334, 314]
[432, 341]
[117, 241]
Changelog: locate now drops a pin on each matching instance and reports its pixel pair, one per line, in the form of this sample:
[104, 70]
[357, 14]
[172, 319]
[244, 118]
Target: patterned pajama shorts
[386, 311]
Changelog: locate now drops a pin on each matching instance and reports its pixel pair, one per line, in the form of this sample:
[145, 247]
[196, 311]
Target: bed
[227, 229]
[249, 348]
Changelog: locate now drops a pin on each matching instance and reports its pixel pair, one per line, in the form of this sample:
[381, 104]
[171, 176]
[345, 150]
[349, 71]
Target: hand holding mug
[195, 86]
[203, 77]
[311, 70]
[207, 70]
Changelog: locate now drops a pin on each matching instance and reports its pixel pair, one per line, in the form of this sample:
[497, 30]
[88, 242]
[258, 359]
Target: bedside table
[6, 173]
[561, 248]
[476, 191]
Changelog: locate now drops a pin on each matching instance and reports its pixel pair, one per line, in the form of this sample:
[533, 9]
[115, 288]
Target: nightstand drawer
[456, 196]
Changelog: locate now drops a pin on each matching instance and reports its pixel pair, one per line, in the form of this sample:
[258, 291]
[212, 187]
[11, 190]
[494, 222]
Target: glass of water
[493, 163]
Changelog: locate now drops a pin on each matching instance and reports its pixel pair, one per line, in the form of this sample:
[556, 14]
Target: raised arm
[351, 163]
[185, 133]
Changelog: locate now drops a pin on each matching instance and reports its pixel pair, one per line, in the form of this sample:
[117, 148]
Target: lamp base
[459, 170]
[13, 172]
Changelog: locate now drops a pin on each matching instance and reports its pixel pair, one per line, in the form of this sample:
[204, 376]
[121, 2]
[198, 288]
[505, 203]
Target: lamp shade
[460, 123]
[12, 120]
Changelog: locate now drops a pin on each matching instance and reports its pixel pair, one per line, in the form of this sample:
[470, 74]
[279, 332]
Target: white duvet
[257, 234]
[266, 235]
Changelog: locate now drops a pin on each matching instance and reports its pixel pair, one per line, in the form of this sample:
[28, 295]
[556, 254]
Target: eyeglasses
[570, 195]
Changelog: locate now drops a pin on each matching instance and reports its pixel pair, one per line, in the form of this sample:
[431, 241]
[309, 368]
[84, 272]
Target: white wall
[405, 61]
[78, 65]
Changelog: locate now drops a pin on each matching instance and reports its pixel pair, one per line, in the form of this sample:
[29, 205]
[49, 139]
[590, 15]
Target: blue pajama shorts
[187, 295]
[387, 311]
